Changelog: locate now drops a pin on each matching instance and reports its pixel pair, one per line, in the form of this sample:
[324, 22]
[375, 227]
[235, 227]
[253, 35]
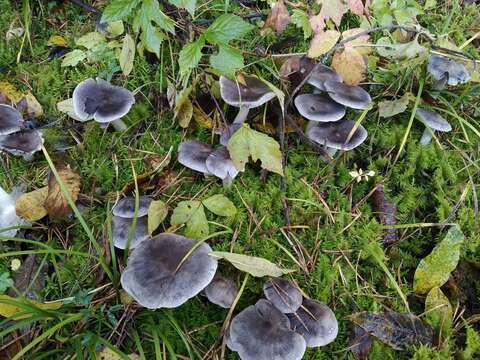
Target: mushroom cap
[220, 164]
[283, 294]
[334, 135]
[8, 214]
[125, 207]
[24, 142]
[320, 108]
[221, 291]
[193, 155]
[121, 228]
[323, 73]
[151, 276]
[354, 97]
[433, 120]
[262, 332]
[100, 100]
[10, 119]
[250, 93]
[227, 132]
[441, 67]
[315, 322]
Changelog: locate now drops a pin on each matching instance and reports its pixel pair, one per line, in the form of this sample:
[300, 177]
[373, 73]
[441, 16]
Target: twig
[283, 181]
[87, 7]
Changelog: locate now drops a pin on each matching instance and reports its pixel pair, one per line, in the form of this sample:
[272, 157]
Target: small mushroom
[220, 164]
[433, 122]
[336, 135]
[221, 291]
[102, 101]
[246, 93]
[10, 119]
[323, 73]
[159, 274]
[125, 207]
[193, 155]
[23, 143]
[262, 332]
[446, 71]
[8, 213]
[317, 107]
[353, 97]
[283, 294]
[315, 322]
[123, 215]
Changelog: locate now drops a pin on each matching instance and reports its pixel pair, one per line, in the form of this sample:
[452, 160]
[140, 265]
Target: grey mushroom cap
[320, 108]
[250, 95]
[193, 155]
[125, 207]
[315, 322]
[121, 228]
[220, 164]
[24, 142]
[283, 294]
[323, 73]
[262, 332]
[227, 132]
[153, 276]
[353, 97]
[100, 100]
[10, 119]
[334, 135]
[444, 69]
[221, 291]
[433, 120]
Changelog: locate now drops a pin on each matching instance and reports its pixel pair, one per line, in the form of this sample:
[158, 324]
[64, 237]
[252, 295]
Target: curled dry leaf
[322, 42]
[386, 212]
[350, 65]
[277, 19]
[31, 206]
[56, 203]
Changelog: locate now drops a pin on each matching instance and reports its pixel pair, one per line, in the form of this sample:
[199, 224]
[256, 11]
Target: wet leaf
[322, 42]
[157, 212]
[350, 65]
[127, 55]
[360, 343]
[439, 312]
[278, 18]
[255, 266]
[400, 331]
[10, 310]
[192, 214]
[386, 212]
[74, 57]
[434, 270]
[220, 205]
[389, 108]
[56, 203]
[183, 110]
[30, 205]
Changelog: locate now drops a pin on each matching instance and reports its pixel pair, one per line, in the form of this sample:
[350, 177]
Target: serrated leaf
[183, 110]
[246, 143]
[157, 212]
[300, 19]
[151, 38]
[220, 205]
[127, 55]
[91, 40]
[350, 65]
[190, 56]
[118, 9]
[439, 311]
[322, 42]
[255, 266]
[188, 5]
[192, 214]
[226, 28]
[5, 282]
[73, 58]
[11, 311]
[151, 11]
[389, 108]
[434, 270]
[30, 205]
[56, 203]
[227, 61]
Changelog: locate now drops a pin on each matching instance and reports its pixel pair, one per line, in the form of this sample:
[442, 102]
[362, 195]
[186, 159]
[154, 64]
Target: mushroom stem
[242, 115]
[439, 84]
[330, 151]
[119, 125]
[426, 136]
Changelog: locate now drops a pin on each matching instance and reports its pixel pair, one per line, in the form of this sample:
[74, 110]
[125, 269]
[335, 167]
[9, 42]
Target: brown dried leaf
[350, 65]
[30, 205]
[277, 19]
[387, 214]
[331, 9]
[360, 343]
[56, 203]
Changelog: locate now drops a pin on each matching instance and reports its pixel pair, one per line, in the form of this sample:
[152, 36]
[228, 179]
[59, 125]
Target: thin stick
[86, 7]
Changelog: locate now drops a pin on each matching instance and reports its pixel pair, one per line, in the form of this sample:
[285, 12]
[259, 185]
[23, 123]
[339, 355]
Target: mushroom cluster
[123, 216]
[326, 112]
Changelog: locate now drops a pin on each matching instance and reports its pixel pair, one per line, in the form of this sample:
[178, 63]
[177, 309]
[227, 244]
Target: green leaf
[439, 312]
[192, 214]
[226, 28]
[220, 205]
[227, 61]
[188, 5]
[300, 19]
[389, 108]
[74, 57]
[157, 212]
[5, 282]
[247, 142]
[91, 40]
[151, 10]
[399, 51]
[434, 270]
[151, 38]
[255, 266]
[127, 55]
[115, 28]
[118, 9]
[190, 56]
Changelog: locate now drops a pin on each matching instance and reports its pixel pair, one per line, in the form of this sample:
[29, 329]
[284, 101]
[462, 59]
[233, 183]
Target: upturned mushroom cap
[221, 291]
[262, 332]
[433, 120]
[193, 155]
[334, 135]
[121, 228]
[220, 164]
[315, 322]
[24, 142]
[153, 276]
[125, 207]
[443, 68]
[283, 294]
[353, 97]
[100, 100]
[317, 107]
[323, 73]
[10, 119]
[249, 92]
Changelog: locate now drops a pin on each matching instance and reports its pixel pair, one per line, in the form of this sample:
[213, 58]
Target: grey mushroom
[8, 213]
[262, 332]
[193, 155]
[23, 143]
[220, 164]
[283, 294]
[315, 322]
[316, 107]
[102, 101]
[156, 277]
[221, 291]
[446, 71]
[433, 122]
[125, 207]
[10, 119]
[121, 229]
[321, 74]
[353, 97]
[226, 132]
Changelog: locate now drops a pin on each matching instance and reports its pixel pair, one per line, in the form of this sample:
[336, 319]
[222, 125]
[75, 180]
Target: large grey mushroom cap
[121, 228]
[353, 97]
[334, 135]
[262, 332]
[317, 107]
[433, 120]
[125, 207]
[315, 322]
[446, 70]
[283, 294]
[323, 73]
[153, 276]
[100, 100]
[193, 155]
[10, 119]
[24, 142]
[220, 164]
[249, 95]
[221, 291]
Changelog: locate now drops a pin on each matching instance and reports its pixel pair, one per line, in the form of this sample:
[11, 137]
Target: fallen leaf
[66, 106]
[183, 110]
[29, 279]
[56, 203]
[33, 106]
[115, 28]
[331, 10]
[386, 212]
[255, 266]
[220, 205]
[127, 55]
[389, 108]
[360, 343]
[399, 51]
[350, 65]
[201, 118]
[57, 40]
[109, 354]
[361, 44]
[277, 19]
[322, 42]
[356, 7]
[74, 57]
[91, 40]
[439, 312]
[12, 308]
[192, 214]
[30, 205]
[300, 19]
[157, 212]
[14, 33]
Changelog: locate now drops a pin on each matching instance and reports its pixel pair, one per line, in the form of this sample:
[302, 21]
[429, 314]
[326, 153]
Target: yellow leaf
[30, 206]
[33, 106]
[57, 40]
[107, 354]
[157, 212]
[127, 55]
[9, 310]
[183, 110]
[361, 44]
[350, 65]
[201, 118]
[56, 203]
[322, 43]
